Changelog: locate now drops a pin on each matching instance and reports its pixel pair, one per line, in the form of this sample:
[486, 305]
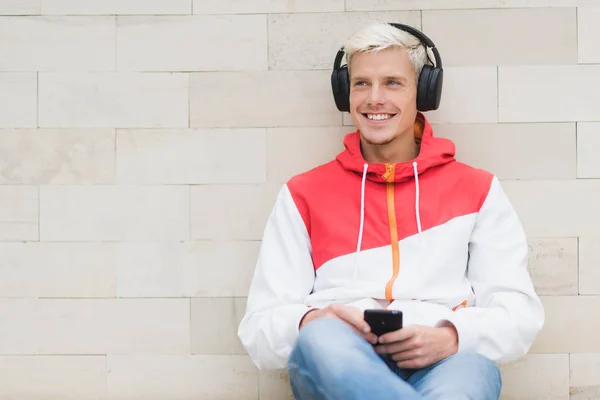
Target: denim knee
[324, 341]
[482, 363]
[322, 338]
[486, 379]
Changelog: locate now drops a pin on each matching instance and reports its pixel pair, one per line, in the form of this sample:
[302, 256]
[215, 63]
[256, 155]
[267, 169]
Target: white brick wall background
[142, 143]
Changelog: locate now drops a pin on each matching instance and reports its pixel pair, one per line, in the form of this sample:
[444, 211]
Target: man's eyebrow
[388, 77]
[396, 78]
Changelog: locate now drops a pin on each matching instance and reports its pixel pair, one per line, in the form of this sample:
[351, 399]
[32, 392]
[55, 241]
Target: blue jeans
[330, 361]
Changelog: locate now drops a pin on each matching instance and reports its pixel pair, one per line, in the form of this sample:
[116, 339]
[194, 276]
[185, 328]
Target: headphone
[429, 87]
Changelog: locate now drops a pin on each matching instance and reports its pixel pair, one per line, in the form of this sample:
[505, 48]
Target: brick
[266, 6]
[536, 377]
[388, 5]
[231, 212]
[262, 99]
[185, 269]
[86, 44]
[58, 377]
[311, 41]
[477, 105]
[585, 381]
[537, 202]
[57, 270]
[95, 326]
[291, 151]
[588, 25]
[18, 104]
[275, 385]
[569, 326]
[526, 96]
[113, 100]
[114, 213]
[197, 377]
[19, 213]
[458, 36]
[215, 323]
[18, 333]
[589, 265]
[553, 265]
[347, 119]
[57, 156]
[179, 43]
[588, 143]
[191, 156]
[546, 3]
[112, 7]
[489, 146]
[236, 261]
[20, 7]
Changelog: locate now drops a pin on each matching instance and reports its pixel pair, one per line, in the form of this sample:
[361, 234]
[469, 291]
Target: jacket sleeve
[283, 278]
[507, 314]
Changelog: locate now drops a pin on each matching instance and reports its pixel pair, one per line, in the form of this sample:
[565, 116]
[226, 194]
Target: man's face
[383, 94]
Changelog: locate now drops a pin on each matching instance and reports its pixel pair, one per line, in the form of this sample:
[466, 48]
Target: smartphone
[383, 321]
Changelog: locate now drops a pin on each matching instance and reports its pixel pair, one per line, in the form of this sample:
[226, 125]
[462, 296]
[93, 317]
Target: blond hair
[380, 36]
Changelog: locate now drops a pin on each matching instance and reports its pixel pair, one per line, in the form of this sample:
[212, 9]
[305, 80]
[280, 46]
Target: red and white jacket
[432, 237]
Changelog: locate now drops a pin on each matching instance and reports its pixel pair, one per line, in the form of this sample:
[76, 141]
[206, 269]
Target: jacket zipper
[389, 186]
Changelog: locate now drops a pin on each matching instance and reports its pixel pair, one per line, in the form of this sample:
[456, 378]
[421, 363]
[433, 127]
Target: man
[394, 222]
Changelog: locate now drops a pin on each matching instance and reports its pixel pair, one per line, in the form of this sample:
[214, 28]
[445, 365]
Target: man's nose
[376, 95]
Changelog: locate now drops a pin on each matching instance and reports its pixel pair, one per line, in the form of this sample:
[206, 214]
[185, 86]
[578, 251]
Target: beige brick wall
[142, 144]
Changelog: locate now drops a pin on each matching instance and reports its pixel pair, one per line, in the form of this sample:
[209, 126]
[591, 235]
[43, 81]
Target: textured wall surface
[142, 143]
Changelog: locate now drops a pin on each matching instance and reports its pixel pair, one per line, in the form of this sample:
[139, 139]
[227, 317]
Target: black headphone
[429, 87]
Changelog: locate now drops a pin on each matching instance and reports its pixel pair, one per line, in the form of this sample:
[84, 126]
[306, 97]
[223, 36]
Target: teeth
[379, 117]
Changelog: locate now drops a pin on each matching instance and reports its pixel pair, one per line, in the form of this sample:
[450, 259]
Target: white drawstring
[362, 218]
[417, 195]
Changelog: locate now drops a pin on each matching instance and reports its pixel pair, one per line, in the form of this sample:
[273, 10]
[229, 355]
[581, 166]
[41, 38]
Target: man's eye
[393, 82]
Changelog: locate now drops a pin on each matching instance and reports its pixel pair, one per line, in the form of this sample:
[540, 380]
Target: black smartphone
[383, 321]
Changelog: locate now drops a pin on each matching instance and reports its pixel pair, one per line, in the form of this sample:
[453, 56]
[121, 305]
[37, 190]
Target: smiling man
[395, 223]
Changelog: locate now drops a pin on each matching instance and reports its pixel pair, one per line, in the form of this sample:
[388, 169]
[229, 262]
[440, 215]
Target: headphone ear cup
[340, 85]
[429, 90]
[437, 82]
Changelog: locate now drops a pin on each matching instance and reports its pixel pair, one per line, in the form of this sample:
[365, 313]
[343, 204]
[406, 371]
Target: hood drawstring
[362, 218]
[417, 198]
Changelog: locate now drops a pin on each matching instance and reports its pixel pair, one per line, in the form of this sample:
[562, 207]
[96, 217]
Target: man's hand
[417, 346]
[350, 315]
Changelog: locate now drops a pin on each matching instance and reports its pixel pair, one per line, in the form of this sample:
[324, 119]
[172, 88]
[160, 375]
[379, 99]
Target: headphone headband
[423, 38]
[406, 28]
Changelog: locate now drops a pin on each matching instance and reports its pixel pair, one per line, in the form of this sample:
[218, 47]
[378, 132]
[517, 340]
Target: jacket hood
[433, 152]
